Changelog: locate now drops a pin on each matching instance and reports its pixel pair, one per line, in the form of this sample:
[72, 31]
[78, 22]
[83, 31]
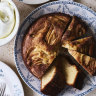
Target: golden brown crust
[76, 29]
[85, 45]
[87, 62]
[42, 42]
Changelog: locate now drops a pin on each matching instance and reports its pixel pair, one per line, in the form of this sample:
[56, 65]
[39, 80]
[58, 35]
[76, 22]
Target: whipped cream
[7, 18]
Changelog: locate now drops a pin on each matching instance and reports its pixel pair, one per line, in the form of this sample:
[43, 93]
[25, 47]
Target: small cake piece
[73, 76]
[53, 81]
[76, 29]
[87, 62]
[85, 45]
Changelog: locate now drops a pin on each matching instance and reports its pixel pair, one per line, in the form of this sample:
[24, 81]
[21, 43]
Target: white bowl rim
[34, 1]
[13, 33]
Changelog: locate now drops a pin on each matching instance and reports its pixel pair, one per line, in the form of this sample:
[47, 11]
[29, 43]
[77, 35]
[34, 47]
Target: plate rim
[15, 75]
[18, 33]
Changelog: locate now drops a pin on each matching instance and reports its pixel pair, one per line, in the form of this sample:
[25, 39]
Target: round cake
[42, 42]
[45, 37]
[42, 46]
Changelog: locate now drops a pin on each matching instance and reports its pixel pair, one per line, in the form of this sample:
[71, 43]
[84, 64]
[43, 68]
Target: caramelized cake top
[42, 42]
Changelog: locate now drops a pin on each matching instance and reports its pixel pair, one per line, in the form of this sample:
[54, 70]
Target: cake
[75, 30]
[84, 45]
[73, 75]
[53, 80]
[41, 51]
[87, 62]
[41, 43]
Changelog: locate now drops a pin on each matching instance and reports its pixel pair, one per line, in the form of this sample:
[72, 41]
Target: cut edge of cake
[53, 81]
[72, 74]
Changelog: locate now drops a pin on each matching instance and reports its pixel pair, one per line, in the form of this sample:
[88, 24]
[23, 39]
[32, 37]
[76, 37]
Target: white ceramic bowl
[13, 33]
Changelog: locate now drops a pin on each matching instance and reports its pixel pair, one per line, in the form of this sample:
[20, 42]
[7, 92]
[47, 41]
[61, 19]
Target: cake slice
[85, 45]
[76, 29]
[87, 62]
[53, 81]
[73, 76]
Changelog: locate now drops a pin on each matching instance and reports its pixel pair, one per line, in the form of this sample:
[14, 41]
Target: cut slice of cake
[73, 76]
[76, 29]
[53, 81]
[70, 72]
[87, 62]
[85, 45]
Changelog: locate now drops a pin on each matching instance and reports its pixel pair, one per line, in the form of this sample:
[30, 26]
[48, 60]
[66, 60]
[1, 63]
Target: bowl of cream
[9, 21]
